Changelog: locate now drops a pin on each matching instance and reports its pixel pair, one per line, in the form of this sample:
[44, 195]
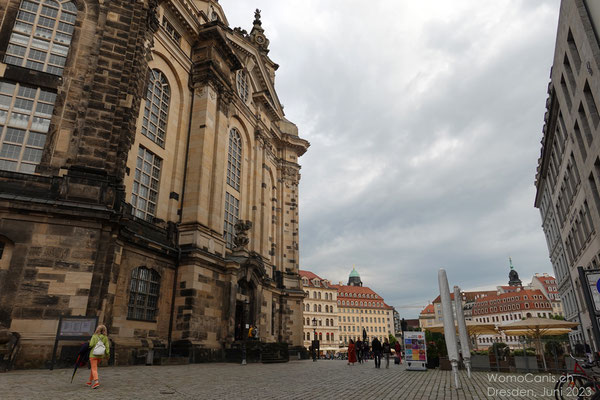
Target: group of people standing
[359, 351]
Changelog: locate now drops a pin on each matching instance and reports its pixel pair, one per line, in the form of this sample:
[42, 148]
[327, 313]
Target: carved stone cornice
[188, 14]
[299, 145]
[213, 60]
[289, 171]
[265, 99]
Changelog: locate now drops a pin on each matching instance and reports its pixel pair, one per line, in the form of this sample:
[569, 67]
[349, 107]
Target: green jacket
[93, 342]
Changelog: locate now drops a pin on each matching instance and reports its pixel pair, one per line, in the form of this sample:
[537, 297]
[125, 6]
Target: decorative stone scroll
[241, 239]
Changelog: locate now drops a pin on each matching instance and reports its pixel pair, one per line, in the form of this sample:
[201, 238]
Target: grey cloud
[425, 136]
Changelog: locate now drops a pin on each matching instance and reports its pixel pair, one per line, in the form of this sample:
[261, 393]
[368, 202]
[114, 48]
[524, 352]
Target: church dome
[354, 279]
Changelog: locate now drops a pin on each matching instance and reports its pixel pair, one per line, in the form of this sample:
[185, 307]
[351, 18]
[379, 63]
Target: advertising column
[415, 351]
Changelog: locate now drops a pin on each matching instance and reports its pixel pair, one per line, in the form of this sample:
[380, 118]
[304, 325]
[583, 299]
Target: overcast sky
[425, 120]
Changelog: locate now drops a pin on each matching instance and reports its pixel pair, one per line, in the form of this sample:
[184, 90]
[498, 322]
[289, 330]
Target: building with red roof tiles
[361, 308]
[427, 316]
[504, 308]
[341, 312]
[507, 303]
[547, 284]
[320, 316]
[467, 302]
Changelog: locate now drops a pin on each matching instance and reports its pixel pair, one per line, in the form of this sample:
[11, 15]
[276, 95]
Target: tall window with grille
[146, 182]
[234, 159]
[143, 294]
[25, 114]
[232, 211]
[156, 111]
[242, 85]
[41, 35]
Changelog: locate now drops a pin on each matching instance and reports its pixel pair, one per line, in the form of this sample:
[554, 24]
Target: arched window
[320, 336]
[143, 294]
[319, 308]
[315, 308]
[327, 336]
[308, 307]
[25, 113]
[327, 322]
[234, 159]
[41, 36]
[319, 295]
[156, 111]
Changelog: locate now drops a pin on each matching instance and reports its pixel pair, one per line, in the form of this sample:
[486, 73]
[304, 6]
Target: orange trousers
[94, 371]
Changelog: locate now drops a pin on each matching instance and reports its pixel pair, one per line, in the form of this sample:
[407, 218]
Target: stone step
[174, 360]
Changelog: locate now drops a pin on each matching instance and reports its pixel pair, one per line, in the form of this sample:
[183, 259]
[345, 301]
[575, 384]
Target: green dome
[354, 274]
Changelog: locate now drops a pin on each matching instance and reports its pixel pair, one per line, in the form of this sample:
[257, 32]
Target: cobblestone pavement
[294, 380]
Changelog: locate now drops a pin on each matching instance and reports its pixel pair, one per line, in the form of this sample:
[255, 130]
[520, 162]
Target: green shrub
[553, 347]
[528, 352]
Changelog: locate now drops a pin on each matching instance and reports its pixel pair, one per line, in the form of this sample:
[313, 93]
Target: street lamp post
[403, 326]
[315, 344]
[245, 330]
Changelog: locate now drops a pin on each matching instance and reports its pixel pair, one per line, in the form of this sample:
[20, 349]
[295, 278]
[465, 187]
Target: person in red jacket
[398, 349]
[351, 353]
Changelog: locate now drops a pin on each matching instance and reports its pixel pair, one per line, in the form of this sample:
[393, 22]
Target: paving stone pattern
[294, 380]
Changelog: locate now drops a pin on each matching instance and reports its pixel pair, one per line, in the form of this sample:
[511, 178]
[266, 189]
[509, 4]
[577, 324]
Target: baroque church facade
[148, 177]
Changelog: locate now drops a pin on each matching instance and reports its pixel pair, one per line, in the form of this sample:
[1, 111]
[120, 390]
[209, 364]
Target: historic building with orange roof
[507, 303]
[320, 312]
[427, 316]
[361, 308]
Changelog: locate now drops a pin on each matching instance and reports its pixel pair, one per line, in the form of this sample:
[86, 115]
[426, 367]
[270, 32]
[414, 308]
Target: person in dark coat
[366, 352]
[387, 351]
[359, 350]
[377, 352]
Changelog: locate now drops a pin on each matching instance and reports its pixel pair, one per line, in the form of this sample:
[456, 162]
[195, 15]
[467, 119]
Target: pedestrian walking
[359, 350]
[387, 351]
[398, 349]
[252, 332]
[351, 353]
[377, 352]
[99, 349]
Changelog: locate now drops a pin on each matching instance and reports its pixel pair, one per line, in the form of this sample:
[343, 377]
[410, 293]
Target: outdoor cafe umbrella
[535, 328]
[474, 329]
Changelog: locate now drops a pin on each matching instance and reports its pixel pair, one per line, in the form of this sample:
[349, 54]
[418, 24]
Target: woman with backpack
[99, 349]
